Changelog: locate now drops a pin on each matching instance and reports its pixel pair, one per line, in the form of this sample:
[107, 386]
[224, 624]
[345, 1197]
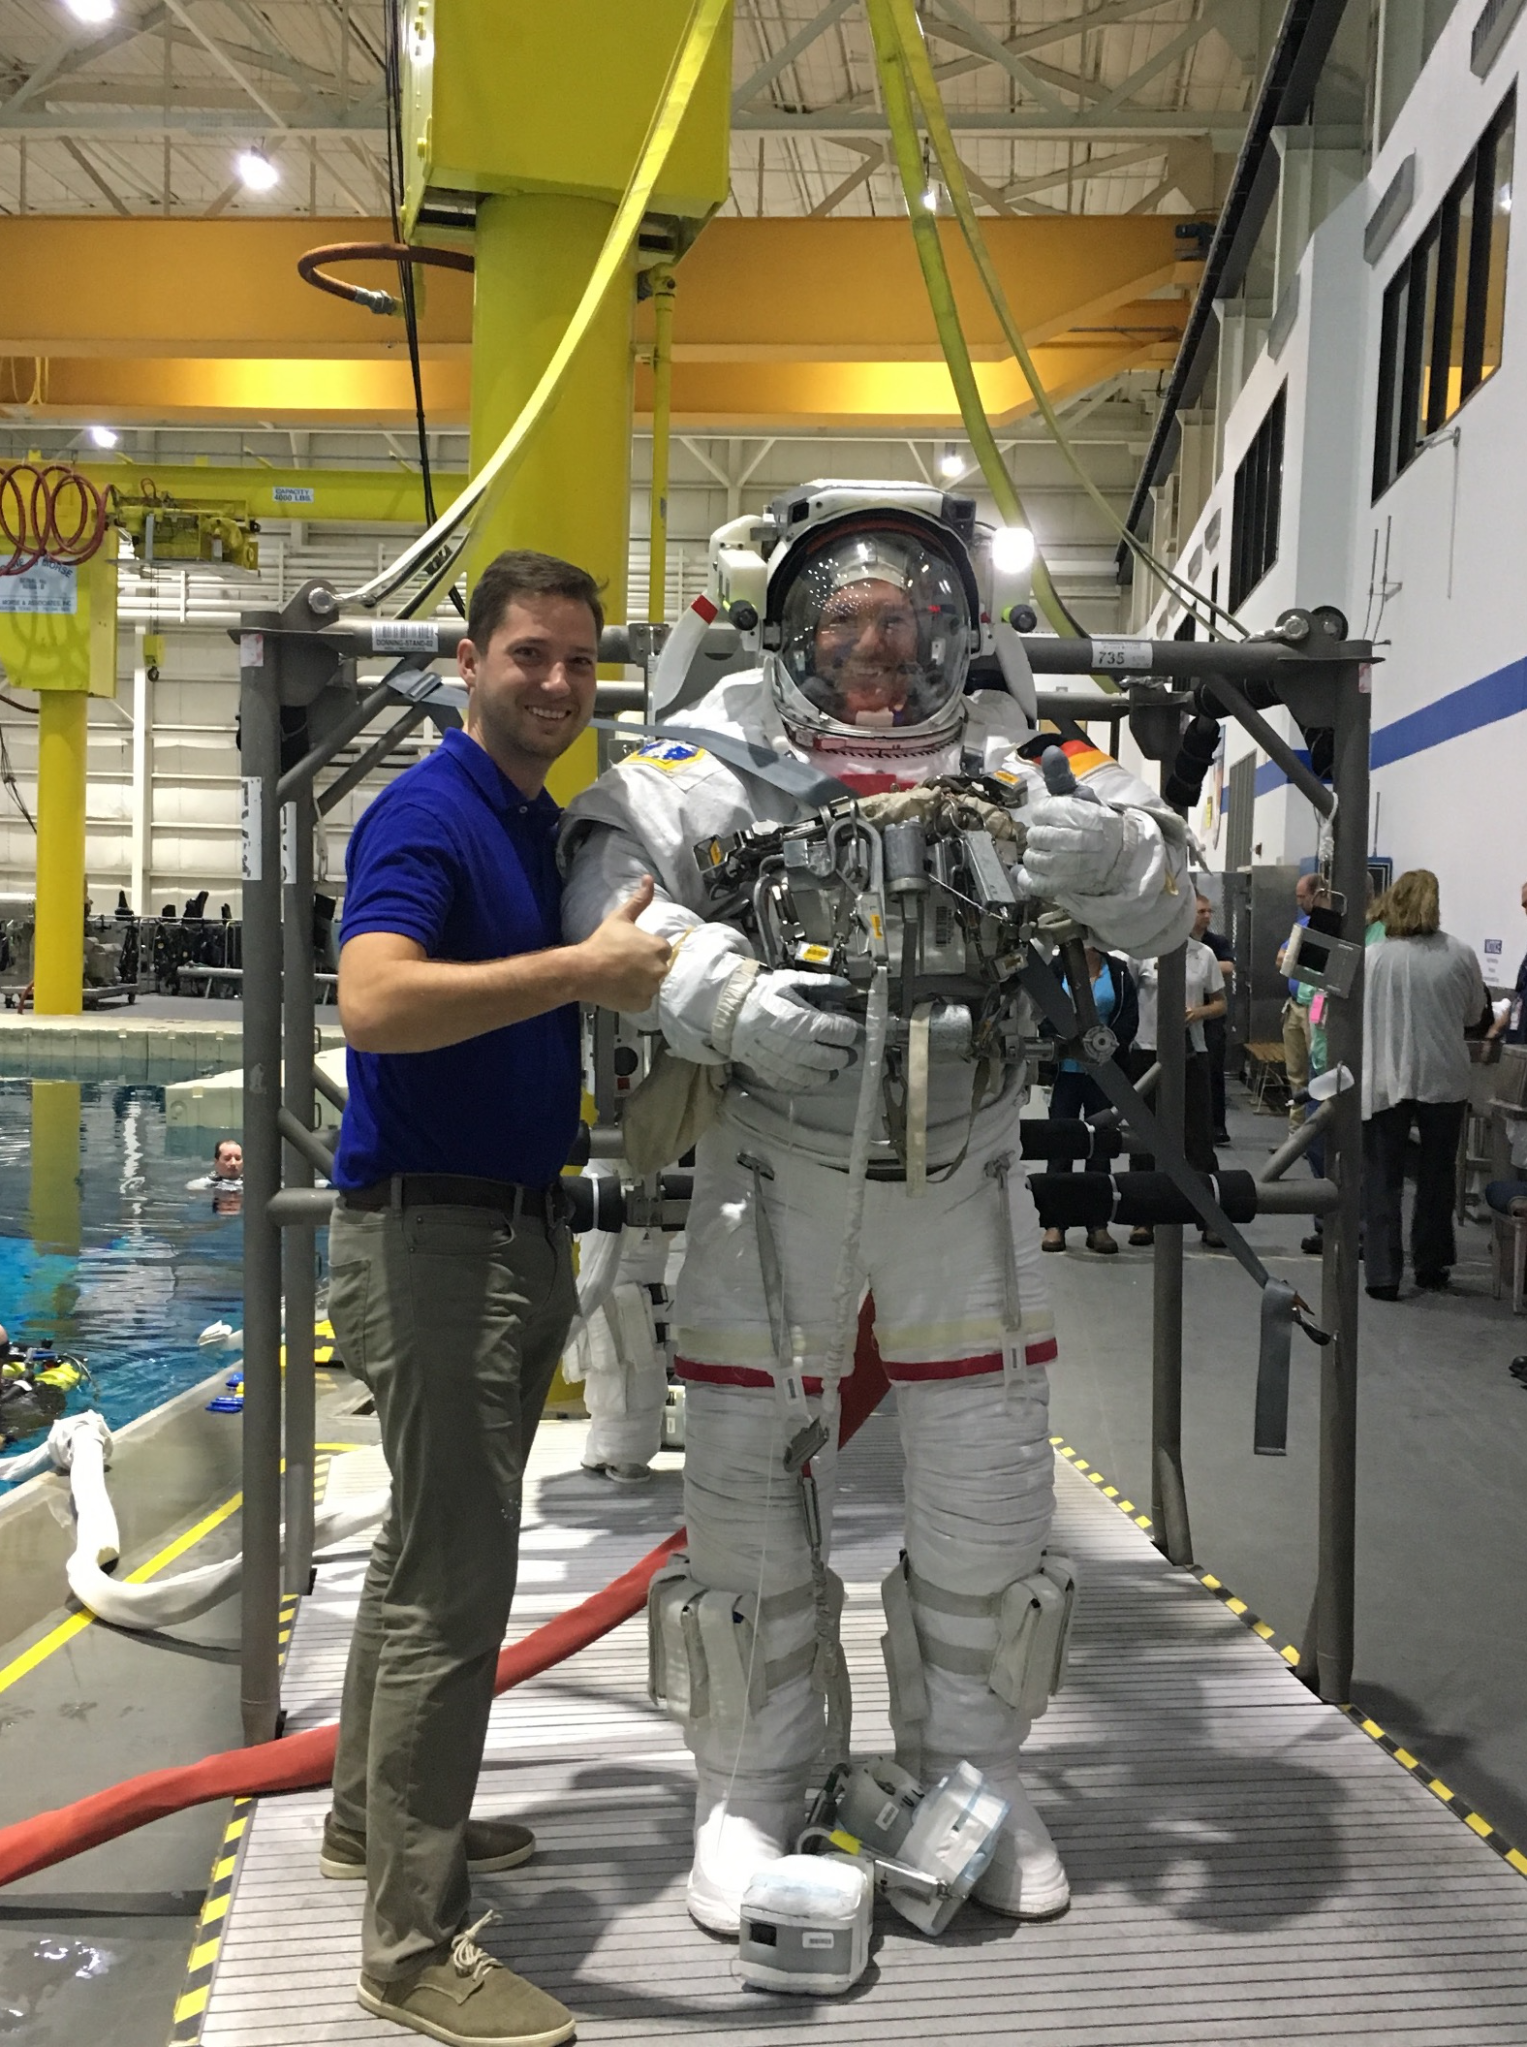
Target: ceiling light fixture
[1012, 550]
[951, 464]
[104, 436]
[256, 171]
[92, 12]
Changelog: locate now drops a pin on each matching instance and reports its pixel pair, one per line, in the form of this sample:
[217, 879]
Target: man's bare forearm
[422, 1005]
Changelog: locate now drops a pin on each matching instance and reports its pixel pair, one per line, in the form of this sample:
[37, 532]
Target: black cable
[406, 291]
[8, 777]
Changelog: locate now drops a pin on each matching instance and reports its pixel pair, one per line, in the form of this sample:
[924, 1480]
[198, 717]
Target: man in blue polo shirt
[451, 1285]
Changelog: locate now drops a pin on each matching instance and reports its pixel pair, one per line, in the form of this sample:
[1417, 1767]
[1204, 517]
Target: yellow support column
[59, 960]
[572, 493]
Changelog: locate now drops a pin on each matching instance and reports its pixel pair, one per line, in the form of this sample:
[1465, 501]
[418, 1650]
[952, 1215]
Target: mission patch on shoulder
[668, 754]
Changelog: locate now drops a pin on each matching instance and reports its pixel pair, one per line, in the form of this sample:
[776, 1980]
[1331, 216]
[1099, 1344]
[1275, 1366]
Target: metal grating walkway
[1246, 1865]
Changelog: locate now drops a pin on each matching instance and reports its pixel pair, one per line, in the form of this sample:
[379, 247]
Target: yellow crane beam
[780, 324]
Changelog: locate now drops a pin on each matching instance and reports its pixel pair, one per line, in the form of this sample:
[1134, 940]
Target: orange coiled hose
[49, 513]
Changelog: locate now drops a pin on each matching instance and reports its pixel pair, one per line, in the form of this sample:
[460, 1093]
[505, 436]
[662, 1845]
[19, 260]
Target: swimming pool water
[104, 1248]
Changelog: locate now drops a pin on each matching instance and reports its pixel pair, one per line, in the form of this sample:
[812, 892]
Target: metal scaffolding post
[1323, 680]
[1332, 1649]
[1169, 1499]
[299, 1254]
[260, 749]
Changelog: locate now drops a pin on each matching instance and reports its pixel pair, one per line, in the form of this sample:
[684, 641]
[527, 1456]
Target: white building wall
[1453, 527]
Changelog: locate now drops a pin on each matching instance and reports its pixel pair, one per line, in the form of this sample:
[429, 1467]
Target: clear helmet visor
[874, 634]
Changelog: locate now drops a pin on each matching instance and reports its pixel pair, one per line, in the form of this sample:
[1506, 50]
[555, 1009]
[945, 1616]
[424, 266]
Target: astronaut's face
[866, 647]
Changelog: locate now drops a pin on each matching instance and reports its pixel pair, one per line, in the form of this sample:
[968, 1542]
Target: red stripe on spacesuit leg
[1040, 1352]
[733, 1375]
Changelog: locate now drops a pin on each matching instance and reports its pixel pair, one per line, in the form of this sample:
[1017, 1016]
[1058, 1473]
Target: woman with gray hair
[1423, 998]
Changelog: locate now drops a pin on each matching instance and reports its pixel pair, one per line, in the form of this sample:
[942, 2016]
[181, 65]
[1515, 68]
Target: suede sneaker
[469, 2000]
[491, 1844]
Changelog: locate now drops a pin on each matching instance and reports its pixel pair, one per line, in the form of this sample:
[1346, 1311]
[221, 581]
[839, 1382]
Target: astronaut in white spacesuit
[870, 611]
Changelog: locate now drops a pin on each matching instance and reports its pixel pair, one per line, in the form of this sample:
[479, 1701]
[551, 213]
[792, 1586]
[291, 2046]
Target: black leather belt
[546, 1205]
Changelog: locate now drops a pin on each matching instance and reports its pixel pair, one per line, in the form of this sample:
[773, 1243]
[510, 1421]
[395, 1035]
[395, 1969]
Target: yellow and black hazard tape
[191, 2005]
[1264, 1632]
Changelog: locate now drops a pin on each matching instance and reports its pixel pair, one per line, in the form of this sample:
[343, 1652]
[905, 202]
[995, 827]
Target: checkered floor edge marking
[191, 2005]
[1264, 1631]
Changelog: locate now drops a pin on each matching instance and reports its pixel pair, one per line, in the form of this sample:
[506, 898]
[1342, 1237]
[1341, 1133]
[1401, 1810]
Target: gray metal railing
[304, 658]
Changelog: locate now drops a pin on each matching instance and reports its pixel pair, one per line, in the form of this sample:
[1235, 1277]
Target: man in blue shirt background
[451, 1287]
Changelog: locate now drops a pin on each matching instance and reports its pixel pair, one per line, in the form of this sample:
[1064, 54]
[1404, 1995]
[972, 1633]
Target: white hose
[81, 1445]
[14, 1469]
[679, 651]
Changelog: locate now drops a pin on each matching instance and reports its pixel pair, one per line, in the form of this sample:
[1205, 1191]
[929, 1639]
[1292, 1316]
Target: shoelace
[468, 1957]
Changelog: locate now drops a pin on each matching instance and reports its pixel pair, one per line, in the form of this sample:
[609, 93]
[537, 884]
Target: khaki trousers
[455, 1319]
[1296, 1055]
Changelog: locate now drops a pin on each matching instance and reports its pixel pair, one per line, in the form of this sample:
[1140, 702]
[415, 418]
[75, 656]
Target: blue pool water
[105, 1249]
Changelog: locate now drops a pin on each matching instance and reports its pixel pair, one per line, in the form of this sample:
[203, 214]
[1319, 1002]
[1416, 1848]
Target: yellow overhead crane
[846, 341]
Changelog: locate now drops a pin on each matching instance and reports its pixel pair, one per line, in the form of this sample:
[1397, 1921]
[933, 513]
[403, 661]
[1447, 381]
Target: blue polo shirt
[453, 855]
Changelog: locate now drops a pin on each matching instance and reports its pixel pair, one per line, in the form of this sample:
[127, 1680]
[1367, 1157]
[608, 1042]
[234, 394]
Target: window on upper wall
[1445, 307]
[1258, 505]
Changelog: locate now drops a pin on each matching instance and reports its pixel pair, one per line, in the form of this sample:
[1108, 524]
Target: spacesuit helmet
[871, 620]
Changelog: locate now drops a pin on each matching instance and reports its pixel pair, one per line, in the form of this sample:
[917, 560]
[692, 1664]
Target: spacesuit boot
[739, 1828]
[750, 1798]
[977, 1611]
[1025, 1879]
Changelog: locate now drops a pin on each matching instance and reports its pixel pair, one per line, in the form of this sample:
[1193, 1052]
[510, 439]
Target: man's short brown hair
[521, 572]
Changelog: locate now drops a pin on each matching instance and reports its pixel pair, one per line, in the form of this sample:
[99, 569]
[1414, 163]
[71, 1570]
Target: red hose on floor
[303, 1761]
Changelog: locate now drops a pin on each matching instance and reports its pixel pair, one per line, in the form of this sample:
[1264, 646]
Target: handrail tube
[303, 1141]
[1294, 1147]
[355, 720]
[1260, 660]
[373, 757]
[295, 1206]
[332, 1090]
[1274, 745]
[1298, 1197]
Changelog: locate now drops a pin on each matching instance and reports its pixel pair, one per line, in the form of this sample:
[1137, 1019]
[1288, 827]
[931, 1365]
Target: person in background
[1309, 893]
[1076, 1094]
[1206, 1000]
[227, 1159]
[1217, 1028]
[1424, 998]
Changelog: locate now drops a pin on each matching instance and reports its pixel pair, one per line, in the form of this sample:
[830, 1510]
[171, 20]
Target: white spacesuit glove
[782, 1041]
[1076, 847]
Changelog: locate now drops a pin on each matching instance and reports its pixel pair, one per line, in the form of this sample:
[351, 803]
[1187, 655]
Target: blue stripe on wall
[1486, 702]
[1270, 776]
[1461, 711]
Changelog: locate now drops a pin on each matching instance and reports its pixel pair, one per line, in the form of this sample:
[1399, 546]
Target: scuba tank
[35, 1386]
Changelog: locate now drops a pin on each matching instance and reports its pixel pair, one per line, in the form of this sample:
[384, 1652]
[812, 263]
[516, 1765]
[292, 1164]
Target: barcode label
[252, 827]
[1120, 655]
[405, 636]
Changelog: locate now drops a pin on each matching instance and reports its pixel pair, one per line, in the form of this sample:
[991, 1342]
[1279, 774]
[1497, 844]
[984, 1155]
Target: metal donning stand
[300, 704]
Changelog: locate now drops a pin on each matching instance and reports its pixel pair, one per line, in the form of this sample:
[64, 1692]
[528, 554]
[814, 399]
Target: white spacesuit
[872, 611]
[615, 1351]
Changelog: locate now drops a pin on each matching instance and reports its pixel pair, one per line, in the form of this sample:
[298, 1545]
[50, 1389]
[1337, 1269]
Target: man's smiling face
[530, 691]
